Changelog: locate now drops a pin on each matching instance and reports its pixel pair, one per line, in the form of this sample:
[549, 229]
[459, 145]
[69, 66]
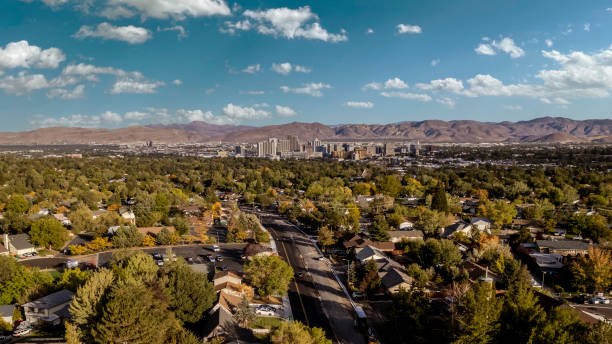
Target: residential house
[563, 247]
[222, 278]
[6, 313]
[406, 226]
[395, 279]
[252, 250]
[360, 241]
[547, 261]
[97, 213]
[219, 322]
[457, 227]
[63, 219]
[369, 253]
[128, 215]
[49, 309]
[398, 236]
[18, 244]
[482, 224]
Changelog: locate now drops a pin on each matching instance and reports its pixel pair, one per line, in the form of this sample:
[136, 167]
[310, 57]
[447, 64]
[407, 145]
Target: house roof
[221, 274]
[52, 300]
[229, 300]
[219, 316]
[482, 220]
[395, 277]
[254, 249]
[457, 226]
[367, 252]
[228, 285]
[6, 311]
[20, 241]
[563, 244]
[383, 245]
[356, 241]
[406, 234]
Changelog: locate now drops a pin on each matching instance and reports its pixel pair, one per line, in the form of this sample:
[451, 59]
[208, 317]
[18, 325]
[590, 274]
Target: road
[316, 298]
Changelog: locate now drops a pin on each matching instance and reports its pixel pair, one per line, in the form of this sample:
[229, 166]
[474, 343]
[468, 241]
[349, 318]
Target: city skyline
[111, 64]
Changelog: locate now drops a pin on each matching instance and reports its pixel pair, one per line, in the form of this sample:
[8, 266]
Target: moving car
[216, 248]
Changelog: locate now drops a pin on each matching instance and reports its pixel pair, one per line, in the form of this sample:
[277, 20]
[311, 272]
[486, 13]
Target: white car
[267, 312]
[216, 248]
[22, 332]
[603, 300]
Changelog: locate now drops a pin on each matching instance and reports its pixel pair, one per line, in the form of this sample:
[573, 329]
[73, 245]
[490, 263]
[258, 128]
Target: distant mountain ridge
[545, 129]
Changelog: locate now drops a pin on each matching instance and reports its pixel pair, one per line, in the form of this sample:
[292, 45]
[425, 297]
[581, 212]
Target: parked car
[219, 258]
[357, 295]
[157, 256]
[299, 274]
[216, 248]
[595, 300]
[266, 312]
[160, 263]
[210, 257]
[224, 268]
[603, 300]
[22, 332]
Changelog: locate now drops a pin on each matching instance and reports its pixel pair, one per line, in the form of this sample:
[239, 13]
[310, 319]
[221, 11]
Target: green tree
[82, 220]
[164, 237]
[521, 316]
[190, 293]
[499, 211]
[562, 326]
[390, 185]
[439, 201]
[326, 237]
[371, 281]
[379, 230]
[88, 302]
[297, 333]
[244, 314]
[17, 204]
[49, 232]
[126, 237]
[139, 266]
[408, 316]
[72, 279]
[133, 314]
[479, 312]
[269, 274]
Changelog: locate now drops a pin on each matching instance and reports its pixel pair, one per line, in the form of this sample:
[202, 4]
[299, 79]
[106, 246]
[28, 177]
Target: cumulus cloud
[242, 113]
[285, 22]
[505, 45]
[361, 105]
[130, 34]
[22, 54]
[396, 83]
[181, 33]
[557, 100]
[177, 82]
[23, 83]
[448, 84]
[164, 9]
[406, 95]
[312, 89]
[372, 86]
[284, 111]
[130, 85]
[285, 68]
[76, 93]
[410, 29]
[252, 69]
[449, 102]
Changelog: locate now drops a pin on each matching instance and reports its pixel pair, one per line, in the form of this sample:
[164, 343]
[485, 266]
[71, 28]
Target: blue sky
[115, 63]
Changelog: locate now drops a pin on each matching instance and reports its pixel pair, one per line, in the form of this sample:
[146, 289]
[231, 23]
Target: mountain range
[545, 129]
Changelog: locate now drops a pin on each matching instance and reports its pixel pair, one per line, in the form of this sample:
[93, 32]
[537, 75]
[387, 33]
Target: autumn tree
[49, 232]
[594, 271]
[269, 274]
[297, 333]
[326, 237]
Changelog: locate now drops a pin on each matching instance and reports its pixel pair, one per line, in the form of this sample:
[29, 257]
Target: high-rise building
[388, 149]
[267, 148]
[294, 143]
[284, 146]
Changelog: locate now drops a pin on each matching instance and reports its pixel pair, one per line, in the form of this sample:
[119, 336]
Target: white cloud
[22, 54]
[285, 22]
[256, 92]
[396, 83]
[76, 93]
[447, 102]
[557, 100]
[369, 31]
[260, 105]
[181, 33]
[435, 62]
[23, 83]
[177, 82]
[505, 45]
[411, 29]
[116, 12]
[111, 117]
[485, 49]
[360, 105]
[285, 68]
[312, 89]
[372, 86]
[587, 27]
[513, 107]
[609, 9]
[129, 85]
[130, 34]
[241, 113]
[284, 111]
[407, 95]
[80, 121]
[175, 9]
[252, 69]
[549, 43]
[448, 85]
[83, 69]
[136, 116]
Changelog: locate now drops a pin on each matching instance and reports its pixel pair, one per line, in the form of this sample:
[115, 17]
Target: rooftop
[563, 244]
[52, 300]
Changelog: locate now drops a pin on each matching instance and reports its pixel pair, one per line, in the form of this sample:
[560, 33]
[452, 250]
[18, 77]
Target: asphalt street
[316, 298]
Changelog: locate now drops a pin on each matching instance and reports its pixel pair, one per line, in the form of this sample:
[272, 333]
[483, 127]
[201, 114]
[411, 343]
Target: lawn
[266, 322]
